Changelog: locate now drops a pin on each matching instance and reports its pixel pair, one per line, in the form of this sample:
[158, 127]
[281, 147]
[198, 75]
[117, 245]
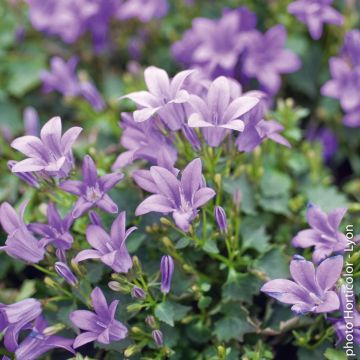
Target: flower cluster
[345, 82]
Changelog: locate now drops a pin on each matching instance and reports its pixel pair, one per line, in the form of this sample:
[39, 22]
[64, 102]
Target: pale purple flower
[31, 121]
[266, 58]
[315, 13]
[166, 270]
[215, 46]
[28, 177]
[324, 234]
[64, 271]
[349, 314]
[351, 49]
[20, 243]
[92, 191]
[109, 248]
[63, 78]
[100, 325]
[137, 293]
[191, 137]
[51, 153]
[162, 92]
[312, 289]
[182, 197]
[143, 141]
[38, 342]
[95, 218]
[57, 230]
[218, 112]
[144, 10]
[220, 217]
[158, 337]
[14, 317]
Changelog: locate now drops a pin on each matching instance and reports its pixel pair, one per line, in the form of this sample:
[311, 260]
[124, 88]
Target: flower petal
[329, 271]
[156, 203]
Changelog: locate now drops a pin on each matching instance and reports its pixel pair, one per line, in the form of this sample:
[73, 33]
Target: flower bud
[95, 218]
[137, 293]
[31, 121]
[220, 217]
[64, 271]
[157, 335]
[191, 137]
[166, 269]
[52, 330]
[150, 320]
[237, 197]
[116, 286]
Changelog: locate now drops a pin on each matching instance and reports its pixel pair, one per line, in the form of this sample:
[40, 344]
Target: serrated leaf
[231, 327]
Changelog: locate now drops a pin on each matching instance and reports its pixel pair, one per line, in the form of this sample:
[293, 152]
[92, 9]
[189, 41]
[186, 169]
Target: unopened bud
[64, 271]
[150, 320]
[165, 221]
[157, 335]
[220, 217]
[137, 292]
[51, 330]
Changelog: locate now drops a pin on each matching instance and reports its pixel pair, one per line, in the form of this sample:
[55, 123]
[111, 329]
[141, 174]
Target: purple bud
[150, 320]
[157, 335]
[166, 269]
[220, 217]
[237, 197]
[191, 137]
[28, 177]
[137, 293]
[95, 218]
[31, 121]
[61, 255]
[64, 271]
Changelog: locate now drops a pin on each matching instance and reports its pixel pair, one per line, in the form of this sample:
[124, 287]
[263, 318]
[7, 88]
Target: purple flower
[350, 315]
[324, 234]
[92, 190]
[315, 13]
[158, 337]
[63, 78]
[166, 270]
[220, 217]
[110, 249]
[137, 293]
[28, 177]
[38, 342]
[31, 121]
[351, 48]
[20, 243]
[265, 58]
[64, 271]
[144, 10]
[14, 317]
[311, 290]
[57, 231]
[50, 153]
[162, 92]
[215, 46]
[99, 325]
[218, 112]
[143, 141]
[182, 197]
[327, 139]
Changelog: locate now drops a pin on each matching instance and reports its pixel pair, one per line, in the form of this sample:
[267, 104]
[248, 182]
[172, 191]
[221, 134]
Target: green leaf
[232, 327]
[28, 288]
[332, 354]
[211, 247]
[169, 312]
[254, 234]
[328, 198]
[182, 243]
[277, 204]
[275, 183]
[274, 263]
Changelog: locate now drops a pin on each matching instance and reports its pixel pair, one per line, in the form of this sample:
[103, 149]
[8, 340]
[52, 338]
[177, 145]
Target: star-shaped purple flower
[100, 325]
[92, 190]
[182, 197]
[110, 249]
[57, 231]
[311, 290]
[315, 13]
[218, 112]
[50, 153]
[324, 234]
[162, 92]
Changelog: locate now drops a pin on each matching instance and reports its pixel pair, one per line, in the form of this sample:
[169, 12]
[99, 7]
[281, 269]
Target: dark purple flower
[157, 335]
[143, 141]
[215, 46]
[20, 243]
[311, 290]
[63, 78]
[220, 217]
[315, 13]
[326, 137]
[50, 153]
[57, 231]
[99, 325]
[14, 317]
[110, 249]
[64, 271]
[144, 10]
[162, 92]
[218, 112]
[31, 121]
[137, 293]
[266, 58]
[166, 270]
[38, 342]
[28, 177]
[350, 316]
[324, 234]
[92, 190]
[182, 197]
